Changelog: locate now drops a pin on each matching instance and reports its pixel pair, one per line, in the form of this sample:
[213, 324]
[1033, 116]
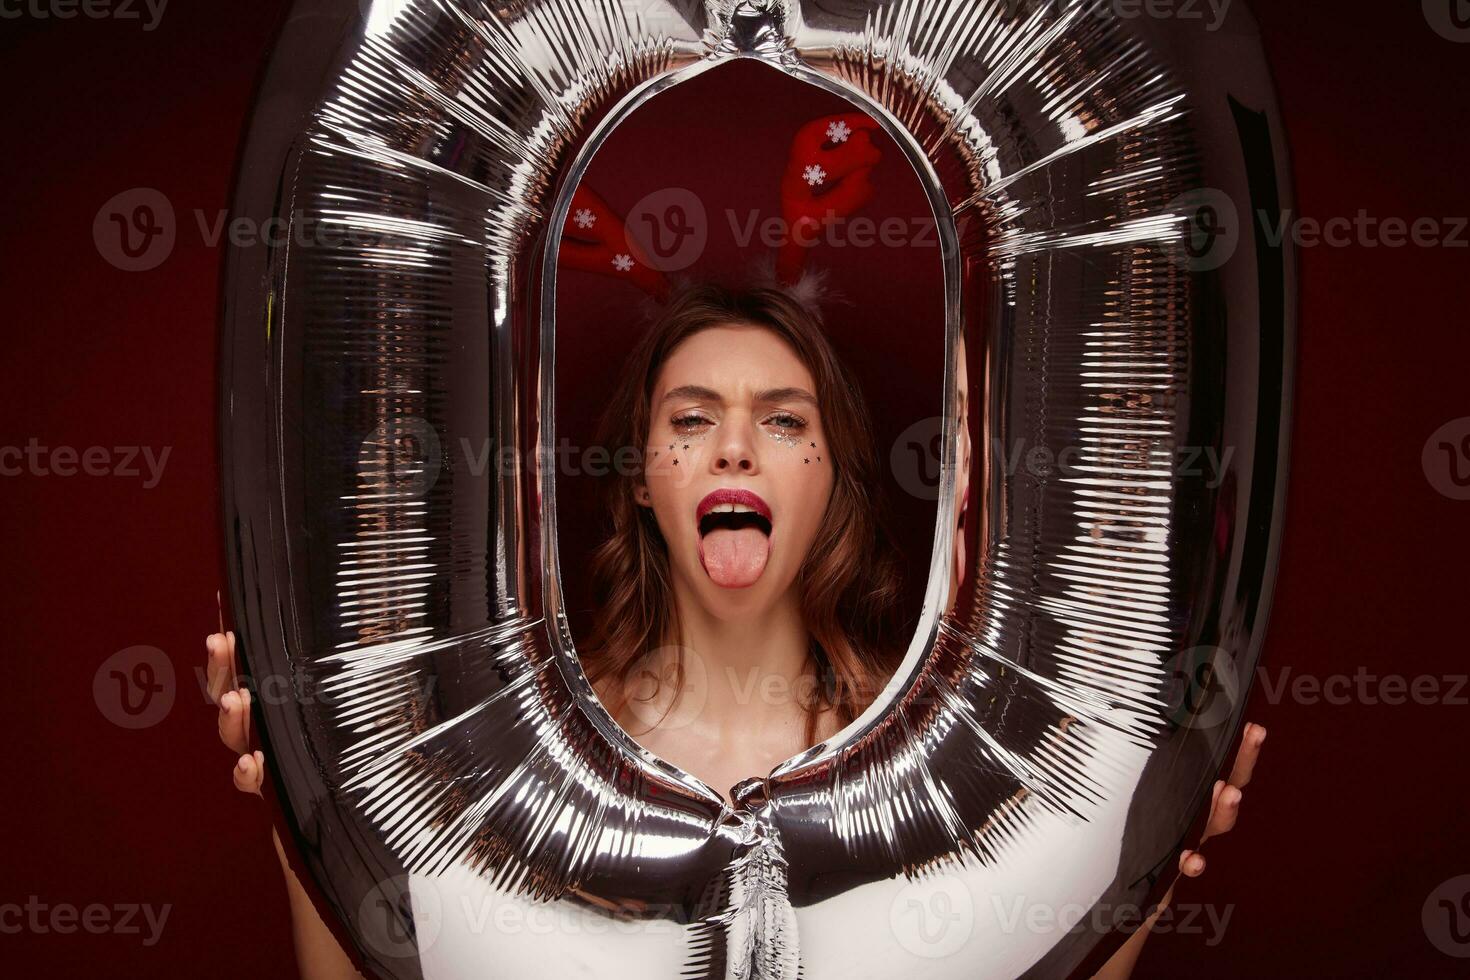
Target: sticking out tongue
[734, 558]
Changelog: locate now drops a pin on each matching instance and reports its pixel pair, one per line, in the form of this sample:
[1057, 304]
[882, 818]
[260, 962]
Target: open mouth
[734, 537]
[733, 519]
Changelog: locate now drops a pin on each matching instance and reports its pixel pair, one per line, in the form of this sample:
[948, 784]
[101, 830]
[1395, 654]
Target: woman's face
[738, 470]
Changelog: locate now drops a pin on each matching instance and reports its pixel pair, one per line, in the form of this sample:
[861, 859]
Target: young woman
[745, 593]
[746, 589]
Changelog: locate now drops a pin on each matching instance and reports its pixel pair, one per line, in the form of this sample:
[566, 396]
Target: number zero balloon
[460, 801]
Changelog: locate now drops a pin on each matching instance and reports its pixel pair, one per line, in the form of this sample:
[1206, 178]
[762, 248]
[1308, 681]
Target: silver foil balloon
[1097, 594]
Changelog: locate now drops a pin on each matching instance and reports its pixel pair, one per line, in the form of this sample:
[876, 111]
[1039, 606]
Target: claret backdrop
[128, 852]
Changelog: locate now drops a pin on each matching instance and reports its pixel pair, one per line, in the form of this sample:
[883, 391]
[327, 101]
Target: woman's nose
[735, 451]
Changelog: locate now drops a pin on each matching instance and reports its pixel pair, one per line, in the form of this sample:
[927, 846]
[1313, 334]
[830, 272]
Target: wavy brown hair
[849, 581]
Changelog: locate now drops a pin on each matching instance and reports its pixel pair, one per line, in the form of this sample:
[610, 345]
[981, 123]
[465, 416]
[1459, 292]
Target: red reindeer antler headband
[828, 177]
[595, 240]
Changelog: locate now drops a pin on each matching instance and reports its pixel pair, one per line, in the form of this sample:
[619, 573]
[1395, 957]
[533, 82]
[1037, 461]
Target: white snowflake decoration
[838, 131]
[585, 218]
[814, 175]
[622, 262]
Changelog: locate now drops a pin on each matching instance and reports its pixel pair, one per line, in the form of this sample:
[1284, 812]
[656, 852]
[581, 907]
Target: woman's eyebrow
[785, 395]
[698, 392]
[702, 393]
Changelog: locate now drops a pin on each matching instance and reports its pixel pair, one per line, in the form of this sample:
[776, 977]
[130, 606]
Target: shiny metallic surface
[1097, 596]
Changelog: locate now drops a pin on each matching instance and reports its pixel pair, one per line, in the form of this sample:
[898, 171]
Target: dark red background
[1357, 812]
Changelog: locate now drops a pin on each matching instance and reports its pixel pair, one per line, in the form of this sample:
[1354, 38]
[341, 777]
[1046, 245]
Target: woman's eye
[785, 420]
[689, 421]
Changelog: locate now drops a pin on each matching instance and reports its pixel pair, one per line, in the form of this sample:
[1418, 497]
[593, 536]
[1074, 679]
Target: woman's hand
[1224, 811]
[234, 711]
[1225, 804]
[318, 956]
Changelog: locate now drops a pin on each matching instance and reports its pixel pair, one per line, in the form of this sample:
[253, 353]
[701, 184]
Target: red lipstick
[729, 495]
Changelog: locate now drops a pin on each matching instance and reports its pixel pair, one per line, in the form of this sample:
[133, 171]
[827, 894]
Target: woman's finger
[1191, 863]
[232, 721]
[249, 773]
[245, 718]
[1225, 812]
[1250, 751]
[218, 674]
